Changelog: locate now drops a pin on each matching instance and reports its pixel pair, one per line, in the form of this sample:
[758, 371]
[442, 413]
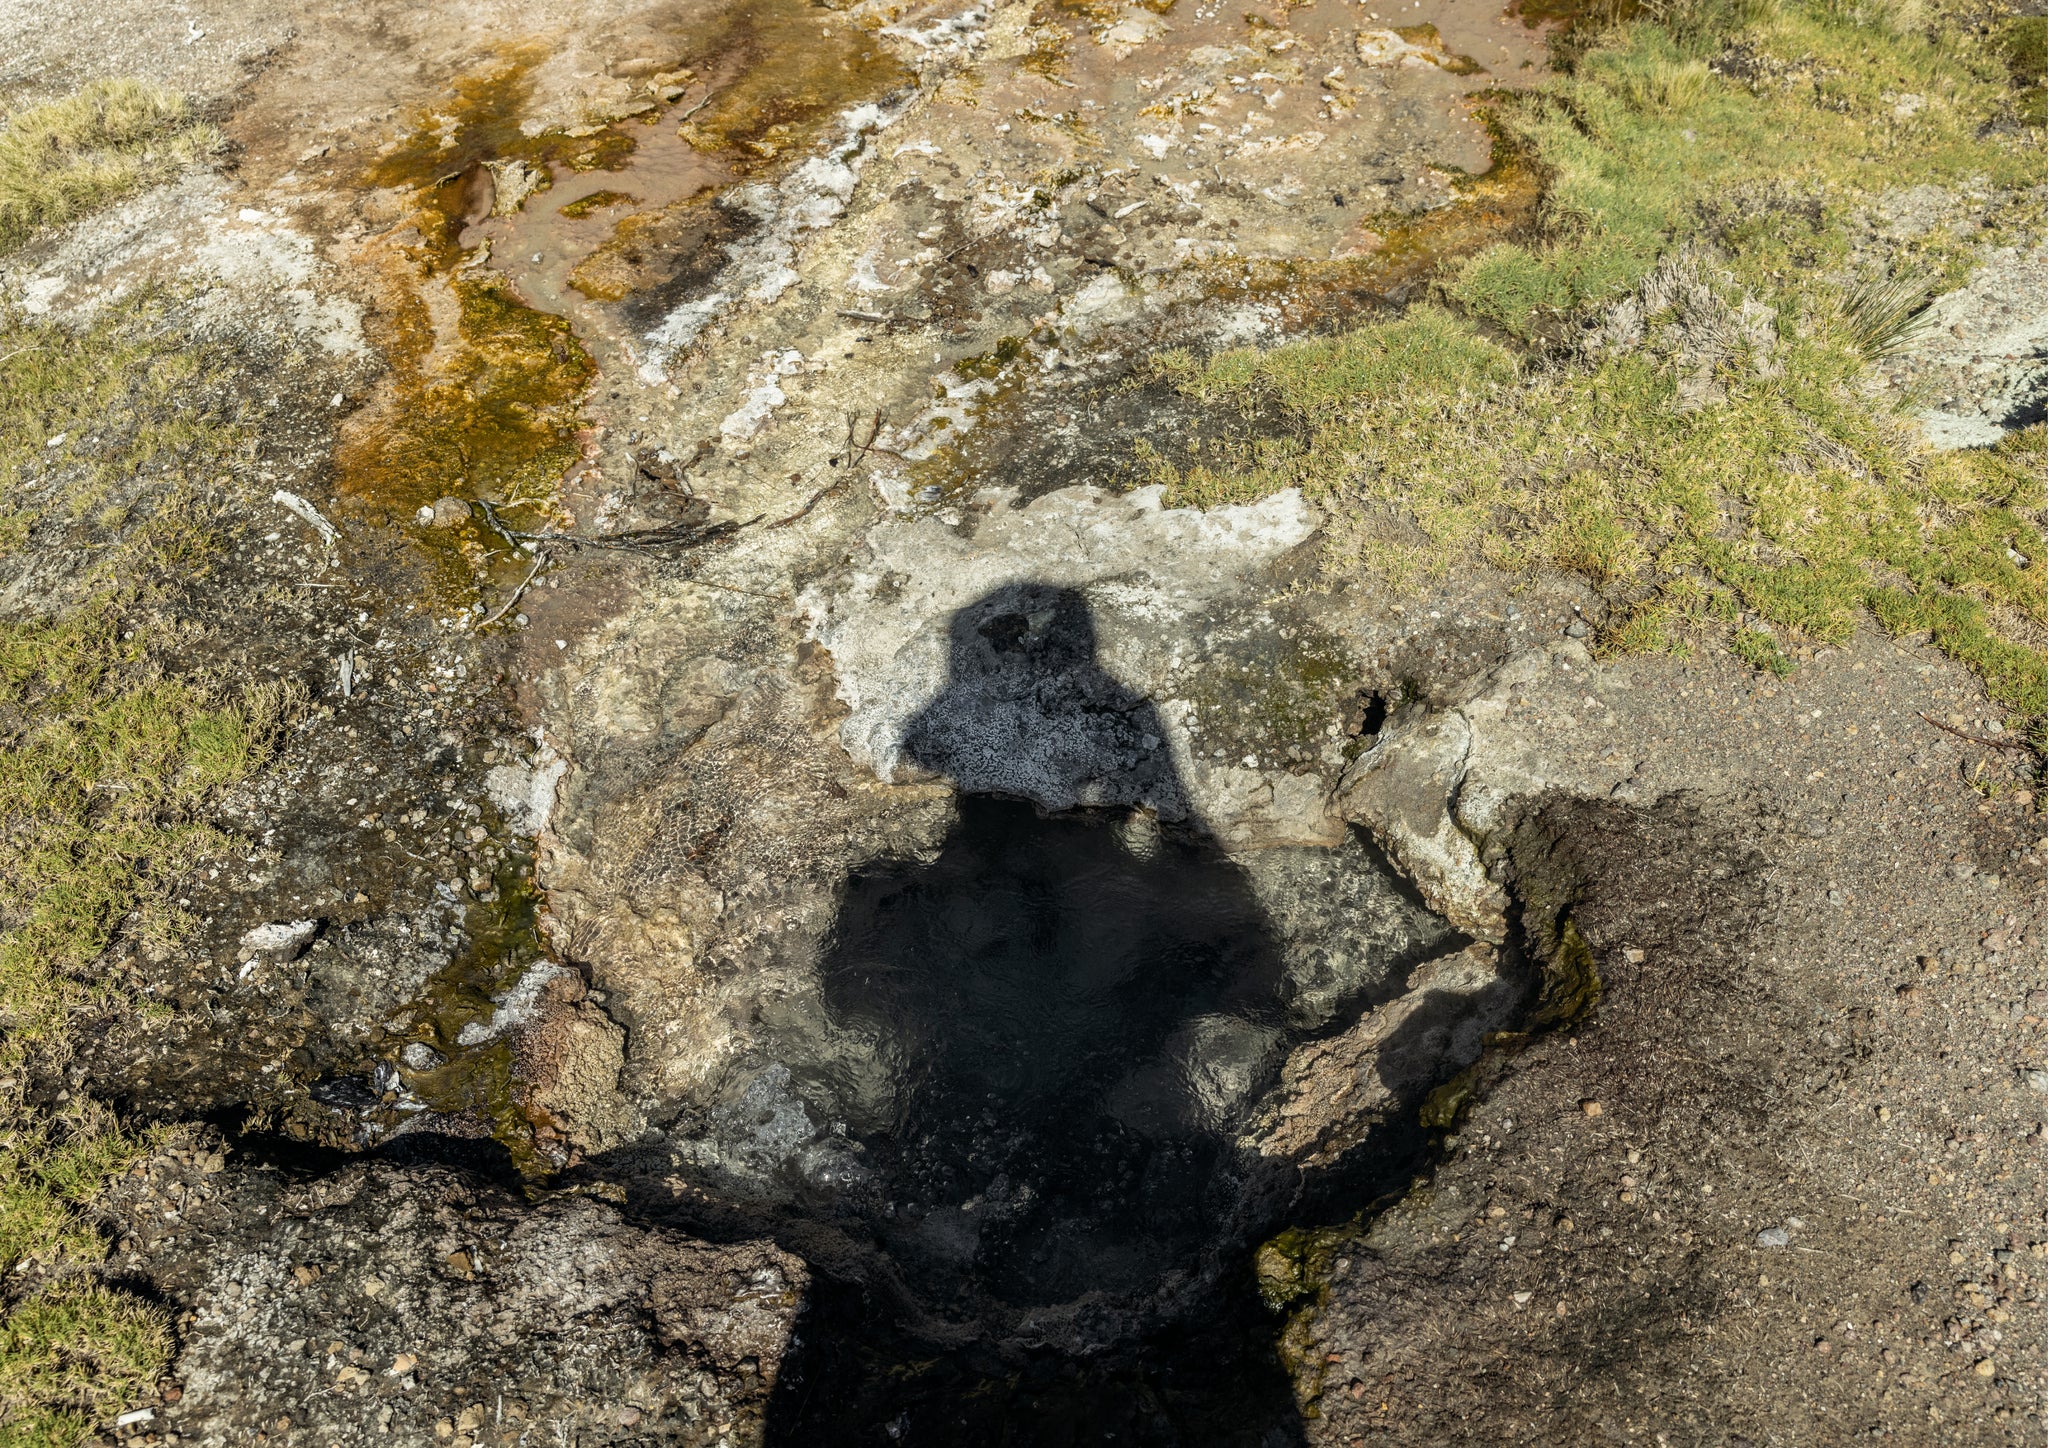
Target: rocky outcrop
[1334, 1091]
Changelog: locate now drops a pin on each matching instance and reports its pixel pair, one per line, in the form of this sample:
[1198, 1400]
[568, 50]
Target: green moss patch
[118, 442]
[2025, 43]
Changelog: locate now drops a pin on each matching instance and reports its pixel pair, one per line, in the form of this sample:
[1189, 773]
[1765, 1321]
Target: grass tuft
[1883, 316]
[70, 1356]
[72, 156]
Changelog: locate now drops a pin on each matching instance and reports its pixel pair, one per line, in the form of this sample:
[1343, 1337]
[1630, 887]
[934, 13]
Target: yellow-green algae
[503, 942]
[491, 412]
[490, 406]
[583, 206]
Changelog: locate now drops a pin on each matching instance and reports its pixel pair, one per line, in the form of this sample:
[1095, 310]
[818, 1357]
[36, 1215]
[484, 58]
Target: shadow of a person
[1070, 1009]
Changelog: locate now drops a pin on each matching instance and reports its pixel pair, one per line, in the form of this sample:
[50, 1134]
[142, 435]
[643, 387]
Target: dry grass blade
[1882, 316]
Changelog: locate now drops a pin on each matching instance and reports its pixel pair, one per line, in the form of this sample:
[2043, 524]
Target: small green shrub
[1760, 651]
[1667, 85]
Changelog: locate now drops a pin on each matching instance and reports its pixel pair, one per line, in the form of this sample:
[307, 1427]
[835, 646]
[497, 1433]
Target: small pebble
[1773, 1237]
[1593, 1108]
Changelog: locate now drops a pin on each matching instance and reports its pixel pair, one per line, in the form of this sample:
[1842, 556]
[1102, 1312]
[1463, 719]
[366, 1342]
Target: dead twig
[816, 498]
[749, 592]
[662, 468]
[654, 540]
[856, 453]
[2018, 746]
[540, 561]
[491, 517]
[640, 540]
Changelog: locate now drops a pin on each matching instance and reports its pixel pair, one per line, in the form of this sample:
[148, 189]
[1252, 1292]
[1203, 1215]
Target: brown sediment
[1569, 15]
[764, 81]
[1052, 45]
[1430, 38]
[1498, 203]
[779, 71]
[482, 401]
[1090, 12]
[676, 247]
[442, 162]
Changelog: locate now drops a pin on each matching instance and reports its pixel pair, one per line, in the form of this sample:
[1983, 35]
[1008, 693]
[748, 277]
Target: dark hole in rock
[1374, 717]
[1025, 1136]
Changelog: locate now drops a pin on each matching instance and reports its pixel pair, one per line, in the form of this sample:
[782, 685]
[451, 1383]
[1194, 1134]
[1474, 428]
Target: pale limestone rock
[1404, 789]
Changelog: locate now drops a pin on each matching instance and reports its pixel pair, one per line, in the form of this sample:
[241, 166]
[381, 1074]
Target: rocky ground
[1635, 1048]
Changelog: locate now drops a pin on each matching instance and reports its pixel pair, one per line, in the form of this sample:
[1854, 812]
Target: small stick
[816, 498]
[697, 107]
[1978, 738]
[749, 592]
[491, 517]
[540, 560]
[640, 540]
